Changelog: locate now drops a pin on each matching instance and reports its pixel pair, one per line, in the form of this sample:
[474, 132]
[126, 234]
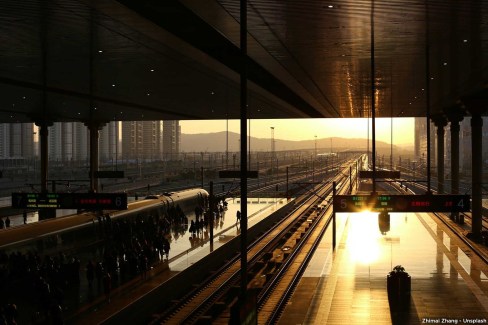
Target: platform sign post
[211, 214]
[333, 217]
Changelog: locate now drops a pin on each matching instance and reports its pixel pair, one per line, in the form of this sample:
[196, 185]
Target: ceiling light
[148, 94]
[422, 89]
[445, 63]
[113, 85]
[152, 70]
[330, 6]
[100, 51]
[465, 41]
[23, 97]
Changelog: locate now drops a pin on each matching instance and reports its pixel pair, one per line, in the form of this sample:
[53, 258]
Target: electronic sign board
[402, 203]
[87, 201]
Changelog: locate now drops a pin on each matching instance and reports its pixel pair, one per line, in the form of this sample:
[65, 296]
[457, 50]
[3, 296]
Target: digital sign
[402, 203]
[87, 201]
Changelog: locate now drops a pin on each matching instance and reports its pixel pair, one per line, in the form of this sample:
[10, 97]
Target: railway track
[275, 263]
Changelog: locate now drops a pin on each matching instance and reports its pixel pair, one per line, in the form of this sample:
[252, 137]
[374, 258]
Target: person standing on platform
[107, 285]
[166, 247]
[7, 222]
[238, 215]
[24, 215]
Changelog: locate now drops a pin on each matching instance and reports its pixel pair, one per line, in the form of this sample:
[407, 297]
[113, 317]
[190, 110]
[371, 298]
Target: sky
[307, 129]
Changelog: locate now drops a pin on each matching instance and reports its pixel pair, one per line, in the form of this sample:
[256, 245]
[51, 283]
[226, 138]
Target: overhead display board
[402, 203]
[87, 201]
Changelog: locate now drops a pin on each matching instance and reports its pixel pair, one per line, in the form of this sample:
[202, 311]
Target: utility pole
[272, 150]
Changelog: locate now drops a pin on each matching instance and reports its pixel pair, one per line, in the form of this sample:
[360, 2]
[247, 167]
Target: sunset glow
[307, 129]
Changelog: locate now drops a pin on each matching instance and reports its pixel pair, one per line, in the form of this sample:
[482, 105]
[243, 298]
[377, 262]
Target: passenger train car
[71, 232]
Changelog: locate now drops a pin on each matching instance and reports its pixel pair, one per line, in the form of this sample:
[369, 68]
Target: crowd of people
[130, 247]
[5, 224]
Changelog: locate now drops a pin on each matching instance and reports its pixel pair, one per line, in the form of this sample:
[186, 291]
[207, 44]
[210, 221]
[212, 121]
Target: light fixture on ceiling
[113, 85]
[152, 70]
[444, 64]
[100, 51]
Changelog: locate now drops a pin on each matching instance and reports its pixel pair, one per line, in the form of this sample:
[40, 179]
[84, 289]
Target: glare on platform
[363, 239]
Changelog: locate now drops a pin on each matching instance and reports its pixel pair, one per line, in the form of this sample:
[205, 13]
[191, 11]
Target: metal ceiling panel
[66, 60]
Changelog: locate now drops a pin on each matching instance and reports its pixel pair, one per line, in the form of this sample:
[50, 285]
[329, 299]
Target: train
[71, 232]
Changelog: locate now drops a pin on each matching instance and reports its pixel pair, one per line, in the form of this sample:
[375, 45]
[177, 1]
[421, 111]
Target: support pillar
[476, 173]
[455, 115]
[476, 105]
[94, 127]
[44, 156]
[440, 122]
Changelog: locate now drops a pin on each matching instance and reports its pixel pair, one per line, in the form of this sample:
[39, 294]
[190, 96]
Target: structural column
[44, 156]
[94, 127]
[440, 122]
[455, 115]
[476, 105]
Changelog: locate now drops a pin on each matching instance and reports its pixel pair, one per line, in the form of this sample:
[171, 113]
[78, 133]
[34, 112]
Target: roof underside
[68, 60]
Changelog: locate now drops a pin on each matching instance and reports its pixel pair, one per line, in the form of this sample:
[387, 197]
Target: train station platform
[91, 306]
[449, 283]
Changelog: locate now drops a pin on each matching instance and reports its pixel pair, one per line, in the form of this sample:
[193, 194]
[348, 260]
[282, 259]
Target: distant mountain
[216, 142]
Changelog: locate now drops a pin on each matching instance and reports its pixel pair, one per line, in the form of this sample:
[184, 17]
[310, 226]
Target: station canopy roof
[105, 60]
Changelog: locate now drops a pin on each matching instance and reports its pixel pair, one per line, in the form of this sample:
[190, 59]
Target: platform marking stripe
[321, 314]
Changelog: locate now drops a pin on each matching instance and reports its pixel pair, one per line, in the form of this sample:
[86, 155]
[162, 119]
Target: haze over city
[308, 129]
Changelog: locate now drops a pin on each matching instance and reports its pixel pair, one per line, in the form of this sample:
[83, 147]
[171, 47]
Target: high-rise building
[17, 140]
[109, 143]
[421, 141]
[152, 144]
[68, 141]
[4, 140]
[141, 140]
[171, 140]
[131, 140]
